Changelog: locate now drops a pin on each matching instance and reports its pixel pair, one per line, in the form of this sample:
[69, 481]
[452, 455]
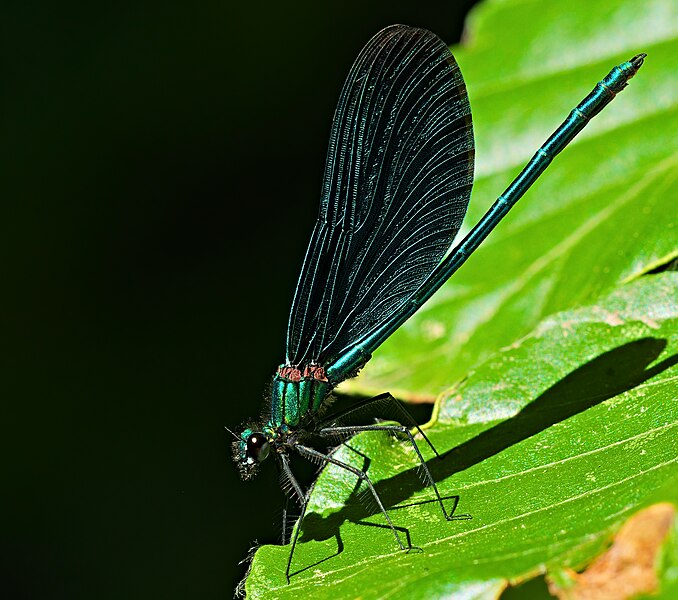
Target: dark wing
[397, 183]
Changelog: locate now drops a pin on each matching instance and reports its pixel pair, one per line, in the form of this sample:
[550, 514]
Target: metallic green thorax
[295, 393]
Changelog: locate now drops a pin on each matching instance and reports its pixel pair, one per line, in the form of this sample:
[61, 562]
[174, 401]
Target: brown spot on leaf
[613, 319]
[627, 568]
[651, 323]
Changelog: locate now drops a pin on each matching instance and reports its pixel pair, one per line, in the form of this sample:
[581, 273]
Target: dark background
[161, 164]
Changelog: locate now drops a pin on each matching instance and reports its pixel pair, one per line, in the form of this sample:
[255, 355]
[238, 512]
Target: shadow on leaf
[606, 376]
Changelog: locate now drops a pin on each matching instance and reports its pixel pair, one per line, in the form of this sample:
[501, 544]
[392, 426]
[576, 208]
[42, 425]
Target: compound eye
[258, 446]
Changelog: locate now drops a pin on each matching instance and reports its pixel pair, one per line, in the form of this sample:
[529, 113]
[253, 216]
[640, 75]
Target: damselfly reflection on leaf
[397, 183]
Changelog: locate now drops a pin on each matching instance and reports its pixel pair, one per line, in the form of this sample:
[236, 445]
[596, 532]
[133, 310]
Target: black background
[161, 164]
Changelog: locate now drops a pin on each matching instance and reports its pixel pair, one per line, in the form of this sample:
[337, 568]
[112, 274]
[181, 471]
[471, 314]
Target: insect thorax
[295, 392]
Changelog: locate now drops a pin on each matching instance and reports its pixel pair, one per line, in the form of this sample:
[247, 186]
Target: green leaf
[603, 214]
[551, 444]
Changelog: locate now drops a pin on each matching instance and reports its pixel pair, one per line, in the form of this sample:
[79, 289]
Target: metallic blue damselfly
[397, 183]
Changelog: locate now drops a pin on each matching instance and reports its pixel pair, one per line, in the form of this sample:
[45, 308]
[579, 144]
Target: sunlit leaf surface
[551, 444]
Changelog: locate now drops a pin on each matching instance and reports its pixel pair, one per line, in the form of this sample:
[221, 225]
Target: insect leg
[383, 405]
[284, 520]
[341, 432]
[290, 484]
[386, 405]
[320, 458]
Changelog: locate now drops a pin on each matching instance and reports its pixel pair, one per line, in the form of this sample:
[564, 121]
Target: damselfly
[397, 183]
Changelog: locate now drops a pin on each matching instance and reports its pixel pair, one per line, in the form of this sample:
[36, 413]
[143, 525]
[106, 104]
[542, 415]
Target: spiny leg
[370, 408]
[367, 461]
[295, 537]
[455, 498]
[320, 458]
[285, 520]
[288, 481]
[387, 400]
[292, 485]
[350, 430]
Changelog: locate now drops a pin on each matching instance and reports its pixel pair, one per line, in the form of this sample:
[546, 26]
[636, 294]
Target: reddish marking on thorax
[310, 372]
